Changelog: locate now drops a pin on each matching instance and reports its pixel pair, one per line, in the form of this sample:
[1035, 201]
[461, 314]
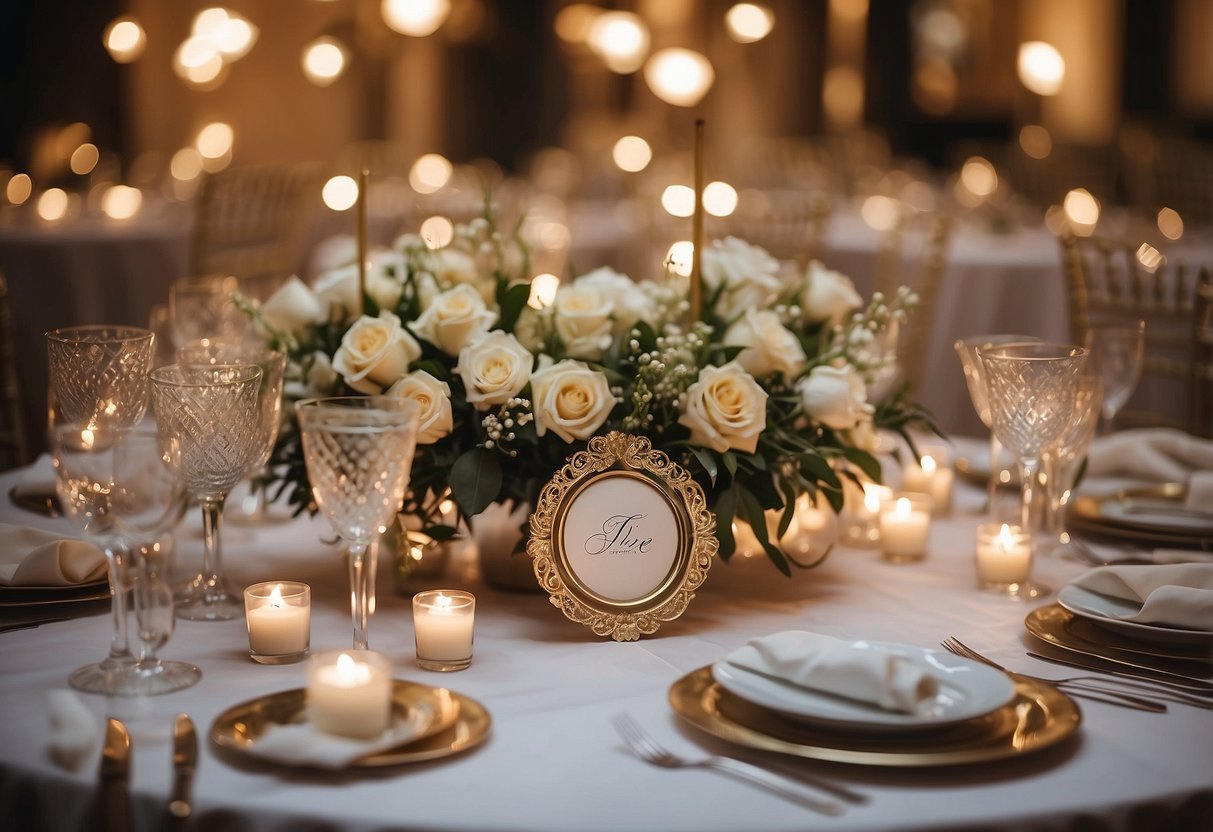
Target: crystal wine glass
[212, 411]
[1117, 351]
[358, 451]
[1031, 392]
[1061, 461]
[98, 382]
[202, 310]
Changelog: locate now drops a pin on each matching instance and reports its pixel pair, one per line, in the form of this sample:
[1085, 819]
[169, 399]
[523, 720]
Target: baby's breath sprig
[501, 426]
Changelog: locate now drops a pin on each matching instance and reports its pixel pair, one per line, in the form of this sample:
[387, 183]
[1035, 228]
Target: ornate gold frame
[622, 455]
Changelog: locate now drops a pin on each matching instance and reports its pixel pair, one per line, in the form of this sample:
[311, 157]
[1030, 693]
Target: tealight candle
[905, 522]
[349, 692]
[278, 615]
[932, 475]
[861, 510]
[1004, 557]
[443, 622]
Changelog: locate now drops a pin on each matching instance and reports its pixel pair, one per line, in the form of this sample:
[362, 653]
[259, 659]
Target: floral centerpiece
[763, 399]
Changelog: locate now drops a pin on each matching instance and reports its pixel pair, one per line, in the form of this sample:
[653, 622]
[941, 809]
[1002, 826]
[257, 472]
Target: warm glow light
[719, 199]
[215, 140]
[1041, 67]
[747, 22]
[431, 172]
[678, 258]
[323, 61]
[880, 212]
[416, 18]
[84, 158]
[19, 188]
[235, 37]
[186, 164]
[842, 95]
[871, 497]
[632, 154]
[124, 39]
[1035, 141]
[437, 232]
[679, 76]
[1151, 259]
[121, 202]
[198, 62]
[543, 290]
[1170, 223]
[621, 39]
[1081, 208]
[340, 193]
[52, 205]
[978, 176]
[573, 22]
[678, 200]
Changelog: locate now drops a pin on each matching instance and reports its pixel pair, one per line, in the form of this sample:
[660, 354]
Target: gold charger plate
[1037, 717]
[1061, 628]
[465, 724]
[1087, 513]
[36, 596]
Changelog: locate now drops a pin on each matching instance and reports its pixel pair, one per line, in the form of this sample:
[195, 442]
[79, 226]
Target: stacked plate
[39, 596]
[1151, 516]
[978, 714]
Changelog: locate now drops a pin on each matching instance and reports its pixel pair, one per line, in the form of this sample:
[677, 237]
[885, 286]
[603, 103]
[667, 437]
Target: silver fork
[649, 750]
[1086, 687]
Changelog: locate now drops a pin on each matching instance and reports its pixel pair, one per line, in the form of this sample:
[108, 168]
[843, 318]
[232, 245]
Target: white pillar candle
[443, 623]
[905, 522]
[349, 693]
[860, 512]
[1004, 556]
[278, 617]
[932, 474]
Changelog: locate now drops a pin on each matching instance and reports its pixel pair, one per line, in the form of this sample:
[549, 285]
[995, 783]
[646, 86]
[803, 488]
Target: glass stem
[120, 646]
[362, 561]
[1027, 517]
[209, 582]
[993, 483]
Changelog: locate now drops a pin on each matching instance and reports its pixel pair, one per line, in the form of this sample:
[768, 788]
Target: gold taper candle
[362, 253]
[697, 229]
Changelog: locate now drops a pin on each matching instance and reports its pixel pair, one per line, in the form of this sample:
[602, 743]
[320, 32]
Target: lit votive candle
[1004, 557]
[932, 475]
[349, 693]
[860, 512]
[905, 522]
[278, 615]
[443, 622]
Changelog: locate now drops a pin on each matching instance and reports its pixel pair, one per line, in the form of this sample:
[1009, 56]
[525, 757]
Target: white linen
[1156, 454]
[1200, 492]
[32, 557]
[302, 743]
[1180, 594]
[829, 665]
[75, 733]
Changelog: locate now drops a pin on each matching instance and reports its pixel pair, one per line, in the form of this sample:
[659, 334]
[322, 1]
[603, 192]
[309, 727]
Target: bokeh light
[52, 204]
[324, 60]
[1035, 141]
[543, 290]
[632, 154]
[679, 76]
[573, 22]
[121, 202]
[680, 257]
[437, 232]
[719, 199]
[1082, 210]
[19, 188]
[880, 212]
[416, 18]
[621, 39]
[215, 140]
[678, 200]
[979, 176]
[186, 164]
[1041, 67]
[124, 39]
[749, 22]
[340, 193]
[84, 159]
[430, 173]
[1170, 223]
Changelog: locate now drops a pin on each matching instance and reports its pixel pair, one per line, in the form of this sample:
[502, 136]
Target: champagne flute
[1117, 351]
[1061, 461]
[358, 451]
[213, 414]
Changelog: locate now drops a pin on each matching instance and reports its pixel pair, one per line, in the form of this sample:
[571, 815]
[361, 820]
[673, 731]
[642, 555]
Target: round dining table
[552, 759]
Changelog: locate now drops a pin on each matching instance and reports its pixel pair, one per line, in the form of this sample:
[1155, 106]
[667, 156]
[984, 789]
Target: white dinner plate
[967, 689]
[1156, 512]
[1109, 612]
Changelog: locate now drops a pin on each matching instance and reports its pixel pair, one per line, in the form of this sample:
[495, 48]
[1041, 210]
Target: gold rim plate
[1089, 511]
[36, 596]
[977, 471]
[1037, 717]
[461, 723]
[1061, 628]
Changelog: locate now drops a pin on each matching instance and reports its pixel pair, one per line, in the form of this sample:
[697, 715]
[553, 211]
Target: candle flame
[276, 597]
[902, 507]
[87, 439]
[443, 602]
[871, 498]
[928, 464]
[1005, 540]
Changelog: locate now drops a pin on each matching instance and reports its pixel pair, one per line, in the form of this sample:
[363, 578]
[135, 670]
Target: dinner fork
[1087, 687]
[649, 750]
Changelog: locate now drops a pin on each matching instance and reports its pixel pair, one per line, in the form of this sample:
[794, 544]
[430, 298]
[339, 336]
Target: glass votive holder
[931, 474]
[861, 512]
[349, 693]
[278, 615]
[1004, 559]
[443, 623]
[905, 525]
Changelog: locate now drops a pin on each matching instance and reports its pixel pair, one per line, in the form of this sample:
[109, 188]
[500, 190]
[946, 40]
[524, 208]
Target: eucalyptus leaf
[476, 480]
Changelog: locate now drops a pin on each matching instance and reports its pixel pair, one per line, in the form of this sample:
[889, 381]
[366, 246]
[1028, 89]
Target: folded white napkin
[829, 665]
[75, 732]
[1179, 594]
[1181, 556]
[301, 743]
[32, 557]
[38, 478]
[1158, 454]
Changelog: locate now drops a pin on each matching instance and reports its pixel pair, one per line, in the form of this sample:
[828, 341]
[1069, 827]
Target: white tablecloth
[553, 762]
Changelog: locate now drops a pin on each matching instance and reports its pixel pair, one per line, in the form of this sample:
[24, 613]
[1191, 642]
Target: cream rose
[725, 408]
[769, 346]
[321, 377]
[494, 368]
[570, 399]
[628, 303]
[582, 317]
[375, 353]
[338, 289]
[433, 398]
[452, 267]
[835, 397]
[828, 295]
[746, 276]
[455, 317]
[293, 307]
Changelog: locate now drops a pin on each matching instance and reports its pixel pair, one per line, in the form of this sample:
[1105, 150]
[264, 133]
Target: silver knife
[115, 778]
[185, 759]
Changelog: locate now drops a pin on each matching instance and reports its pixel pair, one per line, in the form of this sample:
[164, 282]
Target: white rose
[454, 318]
[828, 295]
[338, 289]
[864, 436]
[452, 267]
[321, 377]
[433, 398]
[583, 321]
[570, 399]
[629, 304]
[725, 408]
[494, 368]
[746, 276]
[375, 353]
[769, 346]
[835, 396]
[292, 307]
